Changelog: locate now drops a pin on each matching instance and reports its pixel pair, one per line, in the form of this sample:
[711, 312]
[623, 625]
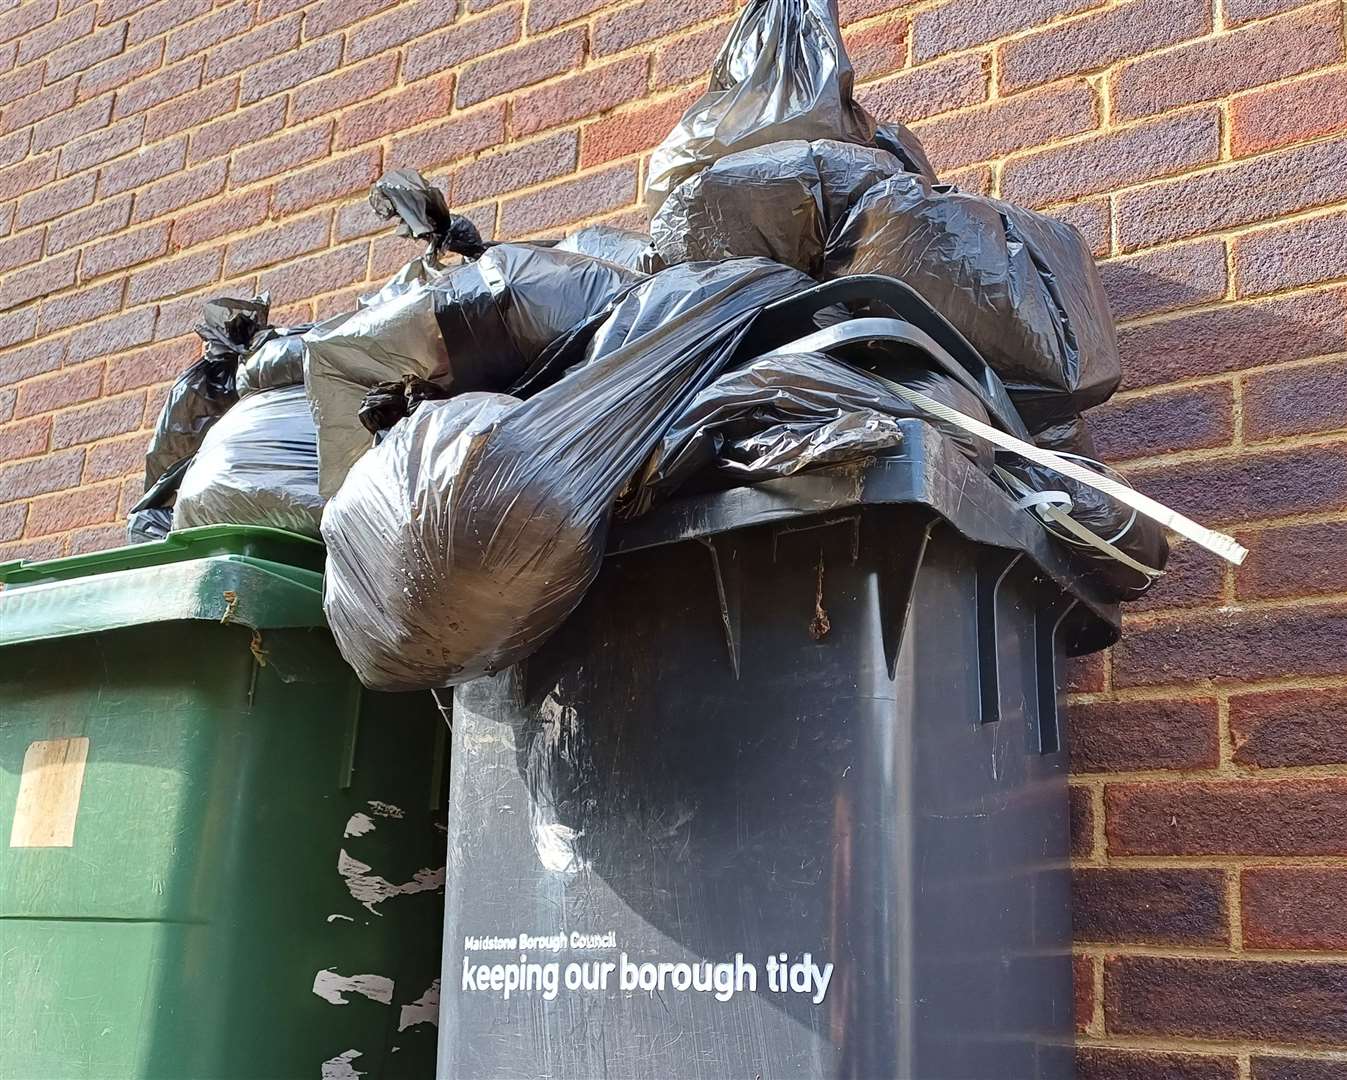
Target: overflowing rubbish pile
[465, 438]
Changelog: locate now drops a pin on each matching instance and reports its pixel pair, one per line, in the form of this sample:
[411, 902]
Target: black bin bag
[783, 73]
[275, 358]
[786, 412]
[407, 197]
[625, 247]
[1071, 436]
[1134, 536]
[474, 327]
[202, 394]
[258, 465]
[464, 539]
[779, 201]
[1020, 286]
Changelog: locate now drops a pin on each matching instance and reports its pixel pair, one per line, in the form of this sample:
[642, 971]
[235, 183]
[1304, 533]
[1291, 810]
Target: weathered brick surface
[1187, 419]
[933, 88]
[1299, 1068]
[1235, 645]
[1001, 127]
[1221, 66]
[1098, 39]
[1300, 908]
[1258, 189]
[1290, 112]
[1082, 822]
[1283, 257]
[1232, 337]
[1256, 485]
[1167, 279]
[531, 163]
[685, 57]
[1083, 978]
[520, 66]
[456, 46]
[960, 24]
[1227, 999]
[579, 96]
[1284, 728]
[153, 154]
[1296, 401]
[1114, 159]
[1109, 736]
[1098, 1063]
[648, 20]
[1258, 817]
[1164, 907]
[631, 131]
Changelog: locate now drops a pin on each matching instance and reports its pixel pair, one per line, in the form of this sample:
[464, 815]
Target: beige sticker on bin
[49, 793]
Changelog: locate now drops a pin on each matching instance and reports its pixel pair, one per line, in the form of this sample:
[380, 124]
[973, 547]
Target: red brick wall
[152, 154]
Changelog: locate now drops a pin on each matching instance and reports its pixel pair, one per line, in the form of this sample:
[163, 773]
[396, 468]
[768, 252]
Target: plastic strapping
[1033, 499]
[1094, 540]
[1054, 508]
[1217, 543]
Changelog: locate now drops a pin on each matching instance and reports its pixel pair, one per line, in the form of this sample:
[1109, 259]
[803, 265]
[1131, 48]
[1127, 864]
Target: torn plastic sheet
[1020, 286]
[779, 201]
[786, 412]
[463, 540]
[783, 73]
[258, 465]
[474, 327]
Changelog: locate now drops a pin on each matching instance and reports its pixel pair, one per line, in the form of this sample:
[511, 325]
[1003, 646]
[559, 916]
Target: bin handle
[835, 341]
[794, 316]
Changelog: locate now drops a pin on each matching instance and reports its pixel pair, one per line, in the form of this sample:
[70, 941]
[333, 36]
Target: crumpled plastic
[463, 540]
[786, 412]
[200, 396]
[1070, 436]
[388, 402]
[629, 316]
[625, 247]
[275, 358]
[1020, 286]
[147, 526]
[783, 73]
[779, 201]
[257, 465]
[475, 327]
[419, 207]
[1131, 533]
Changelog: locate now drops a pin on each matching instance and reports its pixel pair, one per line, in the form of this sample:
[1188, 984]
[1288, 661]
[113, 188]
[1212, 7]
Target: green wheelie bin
[220, 857]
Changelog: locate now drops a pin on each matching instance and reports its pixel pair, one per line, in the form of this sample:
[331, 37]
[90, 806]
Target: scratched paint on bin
[424, 1010]
[49, 793]
[332, 987]
[340, 1067]
[371, 890]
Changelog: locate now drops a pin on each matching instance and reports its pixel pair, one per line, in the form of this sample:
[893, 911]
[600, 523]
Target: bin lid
[255, 577]
[926, 471]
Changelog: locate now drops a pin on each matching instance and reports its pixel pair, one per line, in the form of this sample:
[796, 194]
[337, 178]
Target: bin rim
[926, 471]
[253, 541]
